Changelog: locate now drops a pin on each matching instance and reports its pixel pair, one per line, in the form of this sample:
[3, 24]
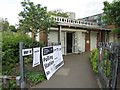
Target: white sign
[36, 56]
[58, 58]
[52, 60]
[26, 52]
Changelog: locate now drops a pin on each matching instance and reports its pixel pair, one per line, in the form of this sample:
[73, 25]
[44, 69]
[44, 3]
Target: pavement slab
[76, 73]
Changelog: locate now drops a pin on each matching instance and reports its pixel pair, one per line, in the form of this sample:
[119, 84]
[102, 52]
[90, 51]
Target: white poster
[26, 52]
[36, 56]
[52, 60]
[58, 58]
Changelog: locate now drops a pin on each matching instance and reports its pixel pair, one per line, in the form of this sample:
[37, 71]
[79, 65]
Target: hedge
[10, 49]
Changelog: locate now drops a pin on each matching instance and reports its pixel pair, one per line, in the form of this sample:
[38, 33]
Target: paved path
[76, 73]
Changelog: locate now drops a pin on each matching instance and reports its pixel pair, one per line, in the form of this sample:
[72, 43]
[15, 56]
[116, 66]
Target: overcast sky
[10, 8]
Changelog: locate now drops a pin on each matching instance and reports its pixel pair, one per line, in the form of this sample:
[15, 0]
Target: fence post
[22, 75]
[5, 82]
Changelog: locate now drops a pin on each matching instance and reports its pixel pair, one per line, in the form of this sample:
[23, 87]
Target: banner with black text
[52, 59]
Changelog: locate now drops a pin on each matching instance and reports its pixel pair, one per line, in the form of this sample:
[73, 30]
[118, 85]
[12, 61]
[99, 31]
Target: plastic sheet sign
[52, 60]
[26, 52]
[36, 56]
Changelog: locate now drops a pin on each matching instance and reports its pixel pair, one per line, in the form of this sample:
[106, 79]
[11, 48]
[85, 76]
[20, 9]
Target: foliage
[35, 77]
[12, 28]
[104, 64]
[11, 85]
[5, 24]
[112, 14]
[58, 13]
[10, 50]
[94, 59]
[34, 18]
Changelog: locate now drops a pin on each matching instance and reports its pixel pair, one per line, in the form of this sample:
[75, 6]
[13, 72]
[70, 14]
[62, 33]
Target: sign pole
[22, 75]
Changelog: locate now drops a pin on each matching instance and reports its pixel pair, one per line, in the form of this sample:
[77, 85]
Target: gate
[108, 64]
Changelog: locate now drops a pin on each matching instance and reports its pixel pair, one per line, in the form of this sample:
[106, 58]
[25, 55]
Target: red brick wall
[43, 37]
[110, 26]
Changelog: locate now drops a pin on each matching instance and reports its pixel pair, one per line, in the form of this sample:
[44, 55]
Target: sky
[82, 8]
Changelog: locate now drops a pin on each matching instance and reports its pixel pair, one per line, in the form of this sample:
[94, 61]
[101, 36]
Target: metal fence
[108, 64]
[21, 80]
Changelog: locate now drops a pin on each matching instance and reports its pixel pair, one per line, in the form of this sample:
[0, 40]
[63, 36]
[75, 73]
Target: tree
[34, 18]
[112, 14]
[58, 12]
[5, 25]
[12, 28]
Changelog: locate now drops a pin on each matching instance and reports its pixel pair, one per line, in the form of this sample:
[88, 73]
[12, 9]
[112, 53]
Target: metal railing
[73, 21]
[108, 64]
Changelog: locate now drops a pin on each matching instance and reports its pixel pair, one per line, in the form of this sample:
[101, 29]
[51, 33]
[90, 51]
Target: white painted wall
[83, 42]
[30, 34]
[63, 42]
[111, 37]
[53, 36]
[93, 40]
[78, 40]
[38, 37]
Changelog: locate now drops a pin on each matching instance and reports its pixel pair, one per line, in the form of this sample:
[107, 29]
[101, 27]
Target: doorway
[69, 42]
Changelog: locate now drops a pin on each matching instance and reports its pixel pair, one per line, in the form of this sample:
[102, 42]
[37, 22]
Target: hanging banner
[52, 60]
[36, 56]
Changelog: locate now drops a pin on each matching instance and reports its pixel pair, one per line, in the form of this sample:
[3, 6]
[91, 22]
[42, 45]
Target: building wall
[53, 37]
[93, 40]
[38, 37]
[83, 41]
[63, 42]
[80, 41]
[111, 37]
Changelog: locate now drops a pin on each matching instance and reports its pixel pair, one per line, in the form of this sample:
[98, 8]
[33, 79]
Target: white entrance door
[63, 42]
[74, 47]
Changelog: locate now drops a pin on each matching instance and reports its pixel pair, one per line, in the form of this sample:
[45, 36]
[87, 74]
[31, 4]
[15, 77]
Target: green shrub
[94, 59]
[35, 77]
[104, 64]
[10, 49]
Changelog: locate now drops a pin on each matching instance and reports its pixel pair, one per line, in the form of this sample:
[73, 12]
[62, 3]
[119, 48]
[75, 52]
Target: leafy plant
[112, 15]
[93, 59]
[11, 85]
[35, 77]
[34, 18]
[10, 50]
[104, 64]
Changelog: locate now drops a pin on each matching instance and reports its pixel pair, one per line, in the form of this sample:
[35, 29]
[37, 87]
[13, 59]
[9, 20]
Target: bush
[105, 63]
[35, 77]
[10, 49]
[94, 59]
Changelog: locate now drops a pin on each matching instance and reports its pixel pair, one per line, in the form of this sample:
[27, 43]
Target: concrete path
[76, 73]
